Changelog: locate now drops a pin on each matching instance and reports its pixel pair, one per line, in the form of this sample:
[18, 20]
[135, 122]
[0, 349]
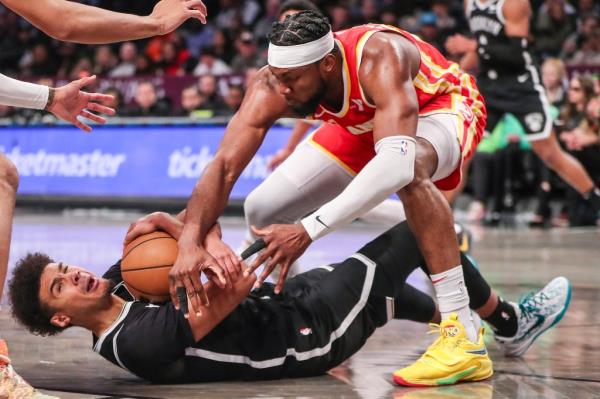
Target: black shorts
[331, 316]
[521, 95]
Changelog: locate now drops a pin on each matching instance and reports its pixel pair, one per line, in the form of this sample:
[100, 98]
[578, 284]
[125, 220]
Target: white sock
[453, 297]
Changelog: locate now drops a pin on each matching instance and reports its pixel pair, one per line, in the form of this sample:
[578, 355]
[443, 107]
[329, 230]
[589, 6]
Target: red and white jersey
[441, 86]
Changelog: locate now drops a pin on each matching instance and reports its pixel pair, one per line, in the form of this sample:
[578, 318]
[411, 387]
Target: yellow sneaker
[450, 359]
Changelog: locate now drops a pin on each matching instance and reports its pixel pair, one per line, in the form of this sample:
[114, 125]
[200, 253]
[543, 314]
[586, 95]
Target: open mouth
[91, 284]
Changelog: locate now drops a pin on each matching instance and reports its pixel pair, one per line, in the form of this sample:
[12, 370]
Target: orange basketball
[146, 263]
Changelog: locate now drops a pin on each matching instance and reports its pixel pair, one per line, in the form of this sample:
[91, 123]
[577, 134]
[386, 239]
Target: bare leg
[429, 215]
[569, 168]
[9, 182]
[452, 194]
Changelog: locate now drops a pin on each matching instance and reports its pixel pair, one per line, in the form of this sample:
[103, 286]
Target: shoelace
[448, 342]
[530, 303]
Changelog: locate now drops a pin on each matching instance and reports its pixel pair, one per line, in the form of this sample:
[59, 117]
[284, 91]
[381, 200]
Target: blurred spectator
[497, 171]
[263, 25]
[367, 13]
[340, 16]
[146, 102]
[223, 45]
[233, 100]
[197, 37]
[143, 65]
[209, 64]
[588, 53]
[586, 8]
[389, 16]
[117, 103]
[236, 13]
[248, 55]
[13, 44]
[173, 58]
[104, 60]
[581, 90]
[81, 69]
[585, 29]
[429, 30]
[39, 62]
[207, 85]
[583, 143]
[68, 57]
[126, 65]
[553, 23]
[194, 103]
[554, 75]
[447, 24]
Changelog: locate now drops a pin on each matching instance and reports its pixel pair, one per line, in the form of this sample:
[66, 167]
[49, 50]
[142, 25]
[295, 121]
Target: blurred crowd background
[202, 71]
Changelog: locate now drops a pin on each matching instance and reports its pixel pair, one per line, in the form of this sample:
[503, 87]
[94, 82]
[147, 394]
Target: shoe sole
[545, 328]
[446, 381]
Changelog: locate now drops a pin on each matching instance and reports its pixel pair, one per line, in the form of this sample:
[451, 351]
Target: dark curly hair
[299, 28]
[299, 5]
[24, 292]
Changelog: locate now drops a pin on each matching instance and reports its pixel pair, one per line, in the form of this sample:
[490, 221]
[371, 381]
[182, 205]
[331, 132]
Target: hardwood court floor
[564, 362]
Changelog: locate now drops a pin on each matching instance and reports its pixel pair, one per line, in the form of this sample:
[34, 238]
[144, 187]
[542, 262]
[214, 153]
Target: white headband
[300, 54]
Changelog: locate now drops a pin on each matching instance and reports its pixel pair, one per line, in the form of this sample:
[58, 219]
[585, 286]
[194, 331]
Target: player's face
[72, 290]
[302, 87]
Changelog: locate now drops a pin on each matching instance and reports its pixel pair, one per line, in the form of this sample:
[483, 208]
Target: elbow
[62, 32]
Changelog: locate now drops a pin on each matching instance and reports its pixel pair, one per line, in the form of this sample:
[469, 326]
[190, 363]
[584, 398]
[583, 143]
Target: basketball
[146, 263]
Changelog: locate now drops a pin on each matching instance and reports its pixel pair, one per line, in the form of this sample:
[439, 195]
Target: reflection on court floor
[563, 363]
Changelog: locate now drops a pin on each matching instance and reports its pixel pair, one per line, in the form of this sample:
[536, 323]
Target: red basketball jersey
[441, 86]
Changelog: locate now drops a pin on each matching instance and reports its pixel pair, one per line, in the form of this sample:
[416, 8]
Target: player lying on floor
[321, 318]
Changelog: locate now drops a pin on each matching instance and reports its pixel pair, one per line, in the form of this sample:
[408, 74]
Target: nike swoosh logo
[540, 321]
[320, 221]
[437, 281]
[478, 352]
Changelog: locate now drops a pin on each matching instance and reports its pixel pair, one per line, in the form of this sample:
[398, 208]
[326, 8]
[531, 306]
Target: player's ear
[327, 64]
[60, 320]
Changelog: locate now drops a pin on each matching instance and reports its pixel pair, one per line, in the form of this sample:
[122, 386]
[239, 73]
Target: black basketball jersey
[156, 343]
[487, 25]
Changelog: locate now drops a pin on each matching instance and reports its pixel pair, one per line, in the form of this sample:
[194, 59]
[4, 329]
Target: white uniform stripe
[326, 267]
[116, 353]
[114, 325]
[300, 356]
[543, 99]
[389, 307]
[499, 12]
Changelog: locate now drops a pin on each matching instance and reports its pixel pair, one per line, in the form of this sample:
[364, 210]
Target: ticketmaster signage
[125, 161]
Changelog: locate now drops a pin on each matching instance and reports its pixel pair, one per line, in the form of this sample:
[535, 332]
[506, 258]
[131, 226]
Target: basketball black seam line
[137, 245]
[145, 268]
[143, 292]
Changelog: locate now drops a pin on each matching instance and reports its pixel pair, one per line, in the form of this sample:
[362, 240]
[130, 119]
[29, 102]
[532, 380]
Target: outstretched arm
[261, 107]
[65, 102]
[74, 22]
